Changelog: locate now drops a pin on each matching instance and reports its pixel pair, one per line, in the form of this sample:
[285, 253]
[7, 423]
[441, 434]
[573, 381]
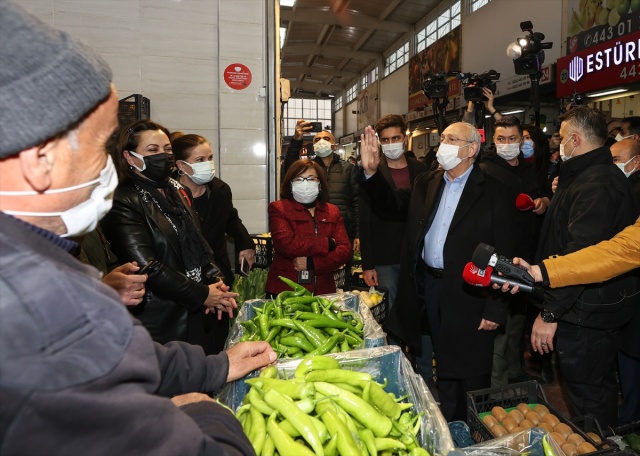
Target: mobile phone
[316, 127]
[145, 268]
[244, 267]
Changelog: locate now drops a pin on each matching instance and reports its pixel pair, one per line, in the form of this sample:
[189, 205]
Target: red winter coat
[293, 234]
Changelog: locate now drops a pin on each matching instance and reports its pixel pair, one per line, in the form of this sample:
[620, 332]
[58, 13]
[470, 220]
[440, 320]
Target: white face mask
[623, 165]
[203, 172]
[508, 151]
[447, 156]
[619, 137]
[84, 217]
[393, 151]
[562, 154]
[305, 192]
[322, 148]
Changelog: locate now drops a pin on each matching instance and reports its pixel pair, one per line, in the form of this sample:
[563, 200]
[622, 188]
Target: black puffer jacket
[343, 185]
[139, 231]
[593, 202]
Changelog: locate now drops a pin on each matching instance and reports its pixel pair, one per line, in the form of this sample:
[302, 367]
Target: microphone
[484, 256]
[524, 202]
[485, 277]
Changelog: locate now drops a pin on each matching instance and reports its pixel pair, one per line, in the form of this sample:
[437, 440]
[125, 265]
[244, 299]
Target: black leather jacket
[138, 231]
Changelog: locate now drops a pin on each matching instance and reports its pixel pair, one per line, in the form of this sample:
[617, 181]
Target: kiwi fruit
[524, 408]
[498, 431]
[498, 413]
[533, 417]
[540, 409]
[574, 438]
[585, 448]
[563, 429]
[516, 415]
[570, 449]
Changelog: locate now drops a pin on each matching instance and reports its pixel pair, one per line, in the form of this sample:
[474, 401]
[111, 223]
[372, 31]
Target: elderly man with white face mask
[448, 212]
[77, 374]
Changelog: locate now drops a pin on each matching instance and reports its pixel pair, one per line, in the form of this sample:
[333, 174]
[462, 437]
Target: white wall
[174, 53]
[394, 92]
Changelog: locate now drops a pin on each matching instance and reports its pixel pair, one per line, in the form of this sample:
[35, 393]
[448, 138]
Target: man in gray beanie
[77, 374]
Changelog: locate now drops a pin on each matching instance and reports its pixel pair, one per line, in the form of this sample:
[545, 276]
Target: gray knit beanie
[48, 80]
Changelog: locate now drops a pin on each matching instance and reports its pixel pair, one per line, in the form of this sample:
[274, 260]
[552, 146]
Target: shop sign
[237, 76]
[347, 139]
[522, 82]
[611, 63]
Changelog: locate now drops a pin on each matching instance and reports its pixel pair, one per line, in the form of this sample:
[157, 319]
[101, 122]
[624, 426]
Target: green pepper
[295, 389]
[331, 448]
[283, 322]
[315, 363]
[369, 440]
[285, 445]
[269, 372]
[282, 296]
[337, 376]
[418, 451]
[257, 431]
[383, 443]
[300, 420]
[328, 346]
[300, 300]
[263, 324]
[325, 322]
[385, 403]
[298, 290]
[346, 444]
[256, 401]
[299, 342]
[349, 387]
[358, 408]
[313, 335]
[268, 449]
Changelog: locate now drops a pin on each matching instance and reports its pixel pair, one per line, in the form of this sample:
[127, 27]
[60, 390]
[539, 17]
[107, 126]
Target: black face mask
[156, 167]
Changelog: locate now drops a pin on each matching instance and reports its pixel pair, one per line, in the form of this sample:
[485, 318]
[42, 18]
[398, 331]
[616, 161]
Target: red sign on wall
[237, 76]
[611, 63]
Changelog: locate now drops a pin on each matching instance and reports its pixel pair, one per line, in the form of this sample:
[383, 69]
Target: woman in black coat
[152, 220]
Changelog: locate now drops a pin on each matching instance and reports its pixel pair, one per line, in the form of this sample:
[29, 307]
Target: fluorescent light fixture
[544, 129]
[608, 92]
[515, 111]
[289, 3]
[283, 35]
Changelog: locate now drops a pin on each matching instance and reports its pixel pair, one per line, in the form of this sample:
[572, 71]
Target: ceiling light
[515, 111]
[289, 3]
[608, 92]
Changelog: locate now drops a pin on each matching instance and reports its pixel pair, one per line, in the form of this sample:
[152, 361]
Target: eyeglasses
[312, 179]
[449, 139]
[393, 139]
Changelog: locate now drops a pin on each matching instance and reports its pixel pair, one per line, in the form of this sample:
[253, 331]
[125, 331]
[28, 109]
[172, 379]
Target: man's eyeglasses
[313, 179]
[449, 139]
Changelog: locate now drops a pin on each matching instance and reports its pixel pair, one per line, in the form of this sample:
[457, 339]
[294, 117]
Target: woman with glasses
[152, 223]
[309, 238]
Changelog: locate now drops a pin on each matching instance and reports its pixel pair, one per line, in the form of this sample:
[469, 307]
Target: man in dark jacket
[341, 175]
[505, 163]
[448, 213]
[592, 203]
[381, 240]
[77, 374]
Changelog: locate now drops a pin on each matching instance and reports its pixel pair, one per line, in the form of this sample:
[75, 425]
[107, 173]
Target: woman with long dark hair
[151, 222]
[309, 238]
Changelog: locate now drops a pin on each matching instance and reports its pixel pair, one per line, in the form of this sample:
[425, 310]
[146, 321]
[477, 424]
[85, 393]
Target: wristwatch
[547, 316]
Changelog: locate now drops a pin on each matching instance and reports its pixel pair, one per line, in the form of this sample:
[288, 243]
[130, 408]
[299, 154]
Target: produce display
[250, 286]
[327, 410]
[371, 298]
[297, 324]
[526, 416]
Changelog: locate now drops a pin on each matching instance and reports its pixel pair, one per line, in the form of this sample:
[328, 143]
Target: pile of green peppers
[327, 411]
[297, 324]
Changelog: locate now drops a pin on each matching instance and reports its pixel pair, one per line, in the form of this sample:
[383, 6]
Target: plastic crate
[379, 311]
[264, 251]
[340, 277]
[510, 396]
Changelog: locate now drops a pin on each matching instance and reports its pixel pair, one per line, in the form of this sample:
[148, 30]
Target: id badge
[305, 276]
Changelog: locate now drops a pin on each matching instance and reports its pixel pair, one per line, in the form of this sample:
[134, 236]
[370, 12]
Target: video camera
[473, 84]
[435, 85]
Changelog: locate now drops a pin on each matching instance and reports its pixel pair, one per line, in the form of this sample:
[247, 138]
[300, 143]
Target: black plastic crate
[264, 251]
[510, 396]
[132, 108]
[379, 311]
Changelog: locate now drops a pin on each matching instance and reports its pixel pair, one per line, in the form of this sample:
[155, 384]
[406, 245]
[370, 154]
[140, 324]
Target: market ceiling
[330, 43]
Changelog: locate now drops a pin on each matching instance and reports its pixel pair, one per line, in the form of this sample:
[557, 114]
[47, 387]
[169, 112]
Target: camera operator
[487, 100]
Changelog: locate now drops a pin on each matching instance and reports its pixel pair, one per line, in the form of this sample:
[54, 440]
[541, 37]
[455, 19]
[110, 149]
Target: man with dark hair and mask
[77, 374]
[505, 162]
[341, 175]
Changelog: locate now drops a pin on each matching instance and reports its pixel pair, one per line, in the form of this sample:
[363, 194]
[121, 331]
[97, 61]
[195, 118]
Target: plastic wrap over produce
[387, 362]
[532, 442]
[374, 336]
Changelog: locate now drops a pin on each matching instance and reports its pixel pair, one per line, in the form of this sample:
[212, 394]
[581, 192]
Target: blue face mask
[527, 148]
